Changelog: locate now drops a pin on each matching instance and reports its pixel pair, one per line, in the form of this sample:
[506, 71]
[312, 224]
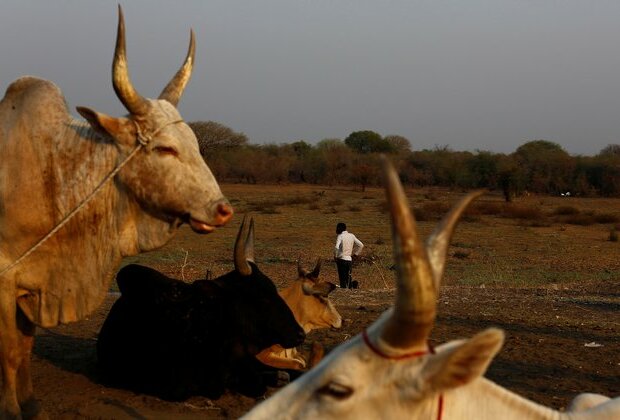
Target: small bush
[461, 255]
[613, 235]
[489, 208]
[355, 208]
[383, 207]
[379, 241]
[523, 212]
[268, 210]
[431, 211]
[566, 211]
[314, 206]
[421, 215]
[335, 202]
[580, 219]
[289, 201]
[605, 218]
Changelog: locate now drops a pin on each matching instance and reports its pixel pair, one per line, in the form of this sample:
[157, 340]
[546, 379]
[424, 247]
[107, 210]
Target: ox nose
[223, 213]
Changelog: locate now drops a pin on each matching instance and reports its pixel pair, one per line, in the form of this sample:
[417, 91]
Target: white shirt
[346, 245]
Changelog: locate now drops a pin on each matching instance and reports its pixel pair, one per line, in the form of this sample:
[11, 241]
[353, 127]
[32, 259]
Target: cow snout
[223, 213]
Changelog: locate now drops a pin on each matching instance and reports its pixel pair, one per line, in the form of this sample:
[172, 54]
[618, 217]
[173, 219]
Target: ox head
[263, 316]
[314, 309]
[388, 371]
[168, 177]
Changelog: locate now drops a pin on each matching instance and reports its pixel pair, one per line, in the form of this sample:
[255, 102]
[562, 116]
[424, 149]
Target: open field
[545, 269]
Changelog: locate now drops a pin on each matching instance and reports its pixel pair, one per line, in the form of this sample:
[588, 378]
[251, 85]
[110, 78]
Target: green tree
[399, 144]
[549, 169]
[212, 135]
[368, 142]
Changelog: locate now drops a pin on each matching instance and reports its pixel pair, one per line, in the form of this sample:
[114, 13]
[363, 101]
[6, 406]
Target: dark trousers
[344, 272]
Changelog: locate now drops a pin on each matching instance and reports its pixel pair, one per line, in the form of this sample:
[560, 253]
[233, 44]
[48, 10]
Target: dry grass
[499, 245]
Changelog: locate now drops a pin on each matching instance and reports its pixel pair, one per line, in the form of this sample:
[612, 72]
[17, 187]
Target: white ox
[388, 372]
[49, 163]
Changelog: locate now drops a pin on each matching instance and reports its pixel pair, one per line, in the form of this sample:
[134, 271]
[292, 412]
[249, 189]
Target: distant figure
[347, 245]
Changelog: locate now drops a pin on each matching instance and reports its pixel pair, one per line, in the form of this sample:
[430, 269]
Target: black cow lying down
[174, 339]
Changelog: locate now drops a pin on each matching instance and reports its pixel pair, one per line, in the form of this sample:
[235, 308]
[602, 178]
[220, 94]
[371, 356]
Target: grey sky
[471, 74]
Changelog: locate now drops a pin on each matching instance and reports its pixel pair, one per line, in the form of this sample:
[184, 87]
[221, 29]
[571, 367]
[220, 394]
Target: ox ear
[464, 363]
[121, 130]
[317, 269]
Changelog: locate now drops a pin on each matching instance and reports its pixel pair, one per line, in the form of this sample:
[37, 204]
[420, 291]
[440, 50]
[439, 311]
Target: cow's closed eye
[335, 390]
[166, 150]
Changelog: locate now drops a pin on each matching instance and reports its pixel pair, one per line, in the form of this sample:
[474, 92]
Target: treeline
[538, 166]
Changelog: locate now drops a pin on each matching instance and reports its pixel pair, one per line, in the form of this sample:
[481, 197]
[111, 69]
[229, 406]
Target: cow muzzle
[223, 212]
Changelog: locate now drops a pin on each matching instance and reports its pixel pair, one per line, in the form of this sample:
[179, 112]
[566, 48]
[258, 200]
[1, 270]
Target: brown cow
[49, 163]
[308, 298]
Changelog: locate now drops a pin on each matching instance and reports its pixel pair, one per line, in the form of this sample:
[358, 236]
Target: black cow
[174, 339]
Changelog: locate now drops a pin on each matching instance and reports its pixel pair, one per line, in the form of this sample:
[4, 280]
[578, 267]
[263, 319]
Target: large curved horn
[174, 89]
[125, 91]
[241, 264]
[415, 309]
[437, 244]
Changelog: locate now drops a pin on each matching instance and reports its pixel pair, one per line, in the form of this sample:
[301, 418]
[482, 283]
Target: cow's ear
[121, 130]
[463, 363]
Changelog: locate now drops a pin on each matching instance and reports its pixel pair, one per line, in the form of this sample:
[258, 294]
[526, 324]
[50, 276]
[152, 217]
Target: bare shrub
[516, 211]
[314, 206]
[488, 208]
[355, 208]
[379, 241]
[382, 207]
[268, 210]
[613, 235]
[566, 211]
[261, 205]
[335, 202]
[431, 211]
[421, 215]
[461, 255]
[290, 201]
[581, 219]
[606, 218]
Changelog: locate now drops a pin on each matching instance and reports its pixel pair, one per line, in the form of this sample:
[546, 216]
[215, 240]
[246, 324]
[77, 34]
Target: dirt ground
[558, 343]
[552, 285]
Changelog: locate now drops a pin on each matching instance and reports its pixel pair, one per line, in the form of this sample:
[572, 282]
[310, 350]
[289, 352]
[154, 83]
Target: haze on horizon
[473, 75]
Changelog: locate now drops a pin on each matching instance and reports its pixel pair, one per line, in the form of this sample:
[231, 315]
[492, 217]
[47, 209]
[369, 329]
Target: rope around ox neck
[411, 355]
[143, 140]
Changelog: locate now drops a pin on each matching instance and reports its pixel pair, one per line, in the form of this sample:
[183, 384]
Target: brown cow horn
[415, 309]
[174, 89]
[125, 91]
[249, 243]
[437, 244]
[241, 264]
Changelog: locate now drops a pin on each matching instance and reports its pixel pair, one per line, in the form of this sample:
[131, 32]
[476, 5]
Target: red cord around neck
[411, 355]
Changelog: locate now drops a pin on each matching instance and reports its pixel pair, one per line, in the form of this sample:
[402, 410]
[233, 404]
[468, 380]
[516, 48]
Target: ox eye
[336, 391]
[166, 150]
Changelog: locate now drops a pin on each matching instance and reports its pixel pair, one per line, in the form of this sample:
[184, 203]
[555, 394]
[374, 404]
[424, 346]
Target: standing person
[347, 245]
